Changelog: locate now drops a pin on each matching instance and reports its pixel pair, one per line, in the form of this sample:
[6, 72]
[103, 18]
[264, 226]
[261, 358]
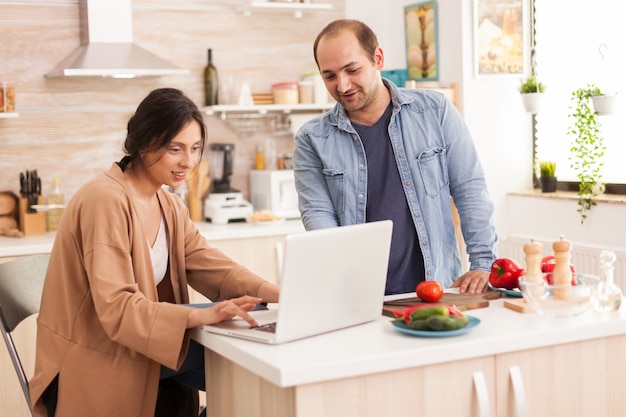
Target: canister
[285, 93]
[306, 92]
[320, 94]
[7, 96]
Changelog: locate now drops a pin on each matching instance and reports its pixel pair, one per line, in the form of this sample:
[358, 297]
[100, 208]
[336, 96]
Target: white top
[159, 253]
[379, 347]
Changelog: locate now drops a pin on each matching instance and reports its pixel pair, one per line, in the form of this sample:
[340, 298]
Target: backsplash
[71, 129]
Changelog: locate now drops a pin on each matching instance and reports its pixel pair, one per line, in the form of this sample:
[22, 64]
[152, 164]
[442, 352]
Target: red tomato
[547, 265]
[429, 291]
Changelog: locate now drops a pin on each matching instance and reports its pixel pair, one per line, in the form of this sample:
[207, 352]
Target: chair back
[21, 285]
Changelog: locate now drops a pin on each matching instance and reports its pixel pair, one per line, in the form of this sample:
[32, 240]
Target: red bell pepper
[547, 265]
[505, 273]
[405, 313]
[454, 311]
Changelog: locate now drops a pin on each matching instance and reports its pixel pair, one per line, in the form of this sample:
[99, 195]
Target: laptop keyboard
[269, 327]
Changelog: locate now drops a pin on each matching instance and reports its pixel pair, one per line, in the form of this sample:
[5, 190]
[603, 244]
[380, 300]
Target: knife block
[31, 223]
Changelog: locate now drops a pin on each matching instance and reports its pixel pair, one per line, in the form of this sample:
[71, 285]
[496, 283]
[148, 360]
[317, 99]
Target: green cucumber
[426, 312]
[419, 324]
[440, 323]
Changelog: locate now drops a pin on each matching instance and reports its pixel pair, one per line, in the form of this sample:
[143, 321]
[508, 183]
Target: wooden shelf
[9, 115]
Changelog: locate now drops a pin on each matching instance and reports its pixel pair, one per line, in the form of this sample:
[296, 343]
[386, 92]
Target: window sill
[571, 195]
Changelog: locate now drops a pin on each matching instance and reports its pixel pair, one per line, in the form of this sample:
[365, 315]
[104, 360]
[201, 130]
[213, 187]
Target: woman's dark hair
[365, 35]
[157, 120]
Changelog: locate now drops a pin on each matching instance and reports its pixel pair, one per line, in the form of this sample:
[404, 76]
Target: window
[580, 42]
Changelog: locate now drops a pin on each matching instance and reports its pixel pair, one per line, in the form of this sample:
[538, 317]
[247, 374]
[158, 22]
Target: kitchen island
[511, 364]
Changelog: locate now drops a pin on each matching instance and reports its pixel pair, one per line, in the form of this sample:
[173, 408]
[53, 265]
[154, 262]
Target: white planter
[604, 105]
[532, 102]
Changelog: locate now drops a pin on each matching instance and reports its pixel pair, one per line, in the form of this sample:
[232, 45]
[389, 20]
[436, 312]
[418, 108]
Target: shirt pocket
[335, 179]
[433, 168]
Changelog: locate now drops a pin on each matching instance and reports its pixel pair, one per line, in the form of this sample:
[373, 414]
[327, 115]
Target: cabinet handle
[481, 394]
[519, 395]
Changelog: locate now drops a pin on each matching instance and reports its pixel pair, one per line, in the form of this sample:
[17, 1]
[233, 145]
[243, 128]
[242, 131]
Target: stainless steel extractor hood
[107, 48]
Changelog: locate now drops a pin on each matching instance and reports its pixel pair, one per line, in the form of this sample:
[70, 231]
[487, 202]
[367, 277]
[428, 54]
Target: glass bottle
[608, 296]
[55, 197]
[259, 155]
[211, 84]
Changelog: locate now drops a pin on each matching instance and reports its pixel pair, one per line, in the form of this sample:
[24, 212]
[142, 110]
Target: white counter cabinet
[512, 364]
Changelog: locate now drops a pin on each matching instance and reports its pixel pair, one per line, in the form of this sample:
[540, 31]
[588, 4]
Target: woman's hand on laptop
[225, 310]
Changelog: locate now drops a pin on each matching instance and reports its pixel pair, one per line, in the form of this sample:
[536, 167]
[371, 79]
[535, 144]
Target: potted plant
[547, 177]
[531, 91]
[604, 103]
[587, 148]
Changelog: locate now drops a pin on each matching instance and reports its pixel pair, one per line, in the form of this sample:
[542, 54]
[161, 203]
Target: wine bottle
[211, 84]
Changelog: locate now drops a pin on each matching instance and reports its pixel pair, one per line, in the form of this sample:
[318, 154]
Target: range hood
[107, 48]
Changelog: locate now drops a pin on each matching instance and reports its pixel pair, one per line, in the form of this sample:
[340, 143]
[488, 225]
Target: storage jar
[285, 93]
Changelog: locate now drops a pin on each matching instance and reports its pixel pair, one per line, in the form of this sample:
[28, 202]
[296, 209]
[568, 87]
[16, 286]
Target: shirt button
[417, 214]
[429, 272]
[360, 196]
[408, 183]
[361, 166]
[424, 243]
[400, 155]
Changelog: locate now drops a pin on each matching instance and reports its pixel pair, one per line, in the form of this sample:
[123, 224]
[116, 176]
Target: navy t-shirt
[386, 200]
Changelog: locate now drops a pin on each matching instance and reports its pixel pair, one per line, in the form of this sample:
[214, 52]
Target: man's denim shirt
[436, 159]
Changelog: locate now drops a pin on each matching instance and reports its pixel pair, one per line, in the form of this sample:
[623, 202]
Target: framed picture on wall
[422, 43]
[500, 47]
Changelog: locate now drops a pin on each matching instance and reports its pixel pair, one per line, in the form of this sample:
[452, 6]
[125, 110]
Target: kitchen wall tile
[73, 128]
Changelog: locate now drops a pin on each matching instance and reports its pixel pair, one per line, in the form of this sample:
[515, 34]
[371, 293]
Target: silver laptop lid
[332, 279]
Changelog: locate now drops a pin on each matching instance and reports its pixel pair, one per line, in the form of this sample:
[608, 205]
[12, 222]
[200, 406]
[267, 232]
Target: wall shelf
[9, 115]
[297, 9]
[265, 109]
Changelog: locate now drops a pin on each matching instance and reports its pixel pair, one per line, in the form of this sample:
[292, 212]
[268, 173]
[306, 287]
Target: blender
[224, 204]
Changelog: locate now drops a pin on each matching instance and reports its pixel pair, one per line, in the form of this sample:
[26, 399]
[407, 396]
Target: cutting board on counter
[463, 302]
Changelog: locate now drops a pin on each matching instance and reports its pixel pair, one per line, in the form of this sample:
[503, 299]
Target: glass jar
[285, 93]
[7, 97]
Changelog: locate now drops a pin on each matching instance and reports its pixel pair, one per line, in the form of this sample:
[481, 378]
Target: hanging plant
[531, 91]
[587, 148]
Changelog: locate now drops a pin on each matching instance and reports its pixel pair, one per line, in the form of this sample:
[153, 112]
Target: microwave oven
[274, 191]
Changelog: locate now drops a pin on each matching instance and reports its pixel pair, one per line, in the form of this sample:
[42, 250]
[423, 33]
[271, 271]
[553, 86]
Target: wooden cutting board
[462, 301]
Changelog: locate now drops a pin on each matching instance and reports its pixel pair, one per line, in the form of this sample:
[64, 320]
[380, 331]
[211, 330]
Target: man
[389, 153]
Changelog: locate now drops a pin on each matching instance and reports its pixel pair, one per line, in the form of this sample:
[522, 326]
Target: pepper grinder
[608, 296]
[562, 274]
[533, 275]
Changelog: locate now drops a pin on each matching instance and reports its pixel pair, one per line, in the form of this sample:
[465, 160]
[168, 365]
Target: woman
[111, 321]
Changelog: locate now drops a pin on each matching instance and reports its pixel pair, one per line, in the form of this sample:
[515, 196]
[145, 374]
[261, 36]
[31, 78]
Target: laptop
[331, 279]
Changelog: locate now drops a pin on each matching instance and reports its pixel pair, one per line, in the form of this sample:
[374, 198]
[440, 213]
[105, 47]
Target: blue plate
[511, 293]
[402, 327]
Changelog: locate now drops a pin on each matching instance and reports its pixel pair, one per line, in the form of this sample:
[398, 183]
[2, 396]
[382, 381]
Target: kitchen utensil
[463, 302]
[30, 188]
[198, 183]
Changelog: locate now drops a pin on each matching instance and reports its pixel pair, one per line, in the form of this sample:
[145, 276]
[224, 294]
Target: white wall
[491, 106]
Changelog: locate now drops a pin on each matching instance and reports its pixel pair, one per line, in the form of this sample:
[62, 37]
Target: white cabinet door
[432, 391]
[575, 379]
